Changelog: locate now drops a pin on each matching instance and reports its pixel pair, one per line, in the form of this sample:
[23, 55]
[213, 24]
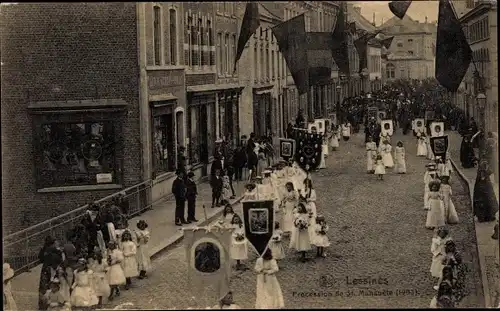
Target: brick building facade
[70, 107]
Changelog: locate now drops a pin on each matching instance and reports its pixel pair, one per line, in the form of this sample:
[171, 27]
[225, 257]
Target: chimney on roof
[373, 23]
[426, 19]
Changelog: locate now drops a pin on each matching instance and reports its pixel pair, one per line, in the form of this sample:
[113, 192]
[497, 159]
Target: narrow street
[380, 254]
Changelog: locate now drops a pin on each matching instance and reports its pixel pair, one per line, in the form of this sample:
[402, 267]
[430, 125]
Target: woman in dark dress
[485, 202]
[467, 156]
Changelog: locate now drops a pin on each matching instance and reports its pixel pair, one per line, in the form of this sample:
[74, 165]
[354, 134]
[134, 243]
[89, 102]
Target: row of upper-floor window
[268, 63]
[227, 7]
[477, 31]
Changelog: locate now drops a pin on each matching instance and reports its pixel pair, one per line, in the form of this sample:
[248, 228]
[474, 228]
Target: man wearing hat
[179, 191]
[191, 193]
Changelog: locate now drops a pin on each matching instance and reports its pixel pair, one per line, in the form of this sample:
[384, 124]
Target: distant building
[412, 52]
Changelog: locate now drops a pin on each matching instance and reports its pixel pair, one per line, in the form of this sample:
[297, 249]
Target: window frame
[158, 44]
[154, 113]
[218, 52]
[173, 44]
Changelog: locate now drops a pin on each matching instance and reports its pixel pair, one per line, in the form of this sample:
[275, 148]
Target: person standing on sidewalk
[484, 199]
[191, 194]
[240, 159]
[179, 192]
[229, 167]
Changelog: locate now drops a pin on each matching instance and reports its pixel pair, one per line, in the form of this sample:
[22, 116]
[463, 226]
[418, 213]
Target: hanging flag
[361, 45]
[399, 8]
[319, 57]
[340, 48]
[292, 42]
[249, 25]
[453, 53]
[387, 42]
[258, 218]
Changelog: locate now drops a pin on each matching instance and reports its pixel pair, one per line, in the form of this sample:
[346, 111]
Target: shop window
[201, 125]
[76, 154]
[219, 53]
[164, 154]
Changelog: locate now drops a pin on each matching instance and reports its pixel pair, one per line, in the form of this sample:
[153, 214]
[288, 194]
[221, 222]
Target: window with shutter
[157, 35]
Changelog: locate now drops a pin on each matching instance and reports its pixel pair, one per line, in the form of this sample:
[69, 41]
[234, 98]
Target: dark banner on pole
[258, 217]
[309, 148]
[439, 146]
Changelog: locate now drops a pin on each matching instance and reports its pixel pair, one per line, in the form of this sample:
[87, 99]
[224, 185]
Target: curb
[178, 237]
[482, 264]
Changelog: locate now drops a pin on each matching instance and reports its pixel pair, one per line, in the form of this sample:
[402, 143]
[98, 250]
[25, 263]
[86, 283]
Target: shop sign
[165, 79]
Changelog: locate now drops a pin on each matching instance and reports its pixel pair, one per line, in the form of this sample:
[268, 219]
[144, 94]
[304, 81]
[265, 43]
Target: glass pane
[77, 154]
[163, 144]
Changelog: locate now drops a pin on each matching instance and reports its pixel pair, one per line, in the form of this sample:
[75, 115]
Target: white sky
[418, 10]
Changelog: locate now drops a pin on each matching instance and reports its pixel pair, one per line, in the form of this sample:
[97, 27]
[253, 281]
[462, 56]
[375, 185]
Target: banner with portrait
[437, 129]
[439, 146]
[319, 124]
[387, 127]
[258, 218]
[287, 148]
[308, 149]
[208, 258]
[419, 125]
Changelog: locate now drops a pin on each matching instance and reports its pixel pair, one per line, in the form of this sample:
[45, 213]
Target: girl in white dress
[310, 199]
[438, 251]
[276, 244]
[143, 255]
[387, 155]
[321, 239]
[379, 167]
[239, 243]
[346, 131]
[301, 239]
[430, 154]
[226, 220]
[129, 263]
[435, 214]
[55, 299]
[324, 154]
[64, 285]
[421, 145]
[429, 176]
[226, 187]
[116, 276]
[268, 292]
[9, 304]
[100, 280]
[371, 155]
[400, 156]
[83, 294]
[450, 213]
[290, 201]
[250, 192]
[334, 141]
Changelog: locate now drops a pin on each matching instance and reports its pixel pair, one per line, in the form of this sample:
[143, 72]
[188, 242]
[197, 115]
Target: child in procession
[226, 220]
[83, 295]
[371, 155]
[290, 201]
[379, 167]
[129, 263]
[250, 192]
[115, 274]
[421, 145]
[400, 157]
[450, 213]
[438, 251]
[444, 298]
[268, 292]
[56, 301]
[226, 187]
[430, 175]
[276, 244]
[143, 255]
[334, 140]
[301, 239]
[386, 151]
[310, 199]
[239, 243]
[321, 239]
[435, 214]
[324, 153]
[100, 281]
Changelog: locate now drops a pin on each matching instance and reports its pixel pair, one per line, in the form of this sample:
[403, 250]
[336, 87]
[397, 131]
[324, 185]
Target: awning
[214, 88]
[78, 104]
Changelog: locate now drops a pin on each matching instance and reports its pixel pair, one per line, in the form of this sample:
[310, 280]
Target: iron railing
[21, 248]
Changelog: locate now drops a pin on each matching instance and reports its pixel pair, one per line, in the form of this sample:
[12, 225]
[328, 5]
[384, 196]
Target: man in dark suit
[240, 159]
[179, 192]
[191, 194]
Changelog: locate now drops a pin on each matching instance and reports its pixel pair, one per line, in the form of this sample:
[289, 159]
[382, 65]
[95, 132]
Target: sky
[418, 10]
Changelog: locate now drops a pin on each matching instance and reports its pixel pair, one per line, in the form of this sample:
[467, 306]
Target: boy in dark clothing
[216, 188]
[179, 191]
[240, 160]
[191, 194]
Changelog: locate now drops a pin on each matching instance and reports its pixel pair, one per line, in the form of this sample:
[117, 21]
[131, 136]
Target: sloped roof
[276, 9]
[406, 25]
[360, 20]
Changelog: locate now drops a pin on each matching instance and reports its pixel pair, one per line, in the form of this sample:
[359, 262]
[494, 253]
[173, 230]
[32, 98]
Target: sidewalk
[164, 235]
[487, 247]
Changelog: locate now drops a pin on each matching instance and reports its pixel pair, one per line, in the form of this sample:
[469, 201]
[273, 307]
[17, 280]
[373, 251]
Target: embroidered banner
[439, 146]
[258, 218]
[309, 148]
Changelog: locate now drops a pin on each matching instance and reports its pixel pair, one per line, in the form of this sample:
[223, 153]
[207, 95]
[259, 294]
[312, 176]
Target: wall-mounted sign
[164, 79]
[104, 178]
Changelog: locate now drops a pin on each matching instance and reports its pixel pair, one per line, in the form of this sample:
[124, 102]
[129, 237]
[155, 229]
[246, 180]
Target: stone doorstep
[483, 237]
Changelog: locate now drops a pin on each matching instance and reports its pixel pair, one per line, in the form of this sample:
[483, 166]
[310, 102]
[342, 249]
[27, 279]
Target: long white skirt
[387, 159]
[322, 164]
[325, 149]
[400, 164]
[288, 225]
[334, 142]
[143, 258]
[115, 275]
[301, 240]
[239, 250]
[83, 297]
[435, 215]
[268, 293]
[379, 169]
[370, 161]
[421, 149]
[277, 250]
[437, 266]
[430, 155]
[450, 213]
[101, 285]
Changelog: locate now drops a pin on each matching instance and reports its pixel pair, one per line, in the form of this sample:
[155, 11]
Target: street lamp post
[339, 88]
[481, 102]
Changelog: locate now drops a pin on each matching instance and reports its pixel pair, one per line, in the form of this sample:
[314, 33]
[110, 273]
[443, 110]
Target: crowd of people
[100, 255]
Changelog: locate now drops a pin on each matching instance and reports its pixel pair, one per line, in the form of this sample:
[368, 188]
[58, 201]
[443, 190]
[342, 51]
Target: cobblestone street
[380, 254]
